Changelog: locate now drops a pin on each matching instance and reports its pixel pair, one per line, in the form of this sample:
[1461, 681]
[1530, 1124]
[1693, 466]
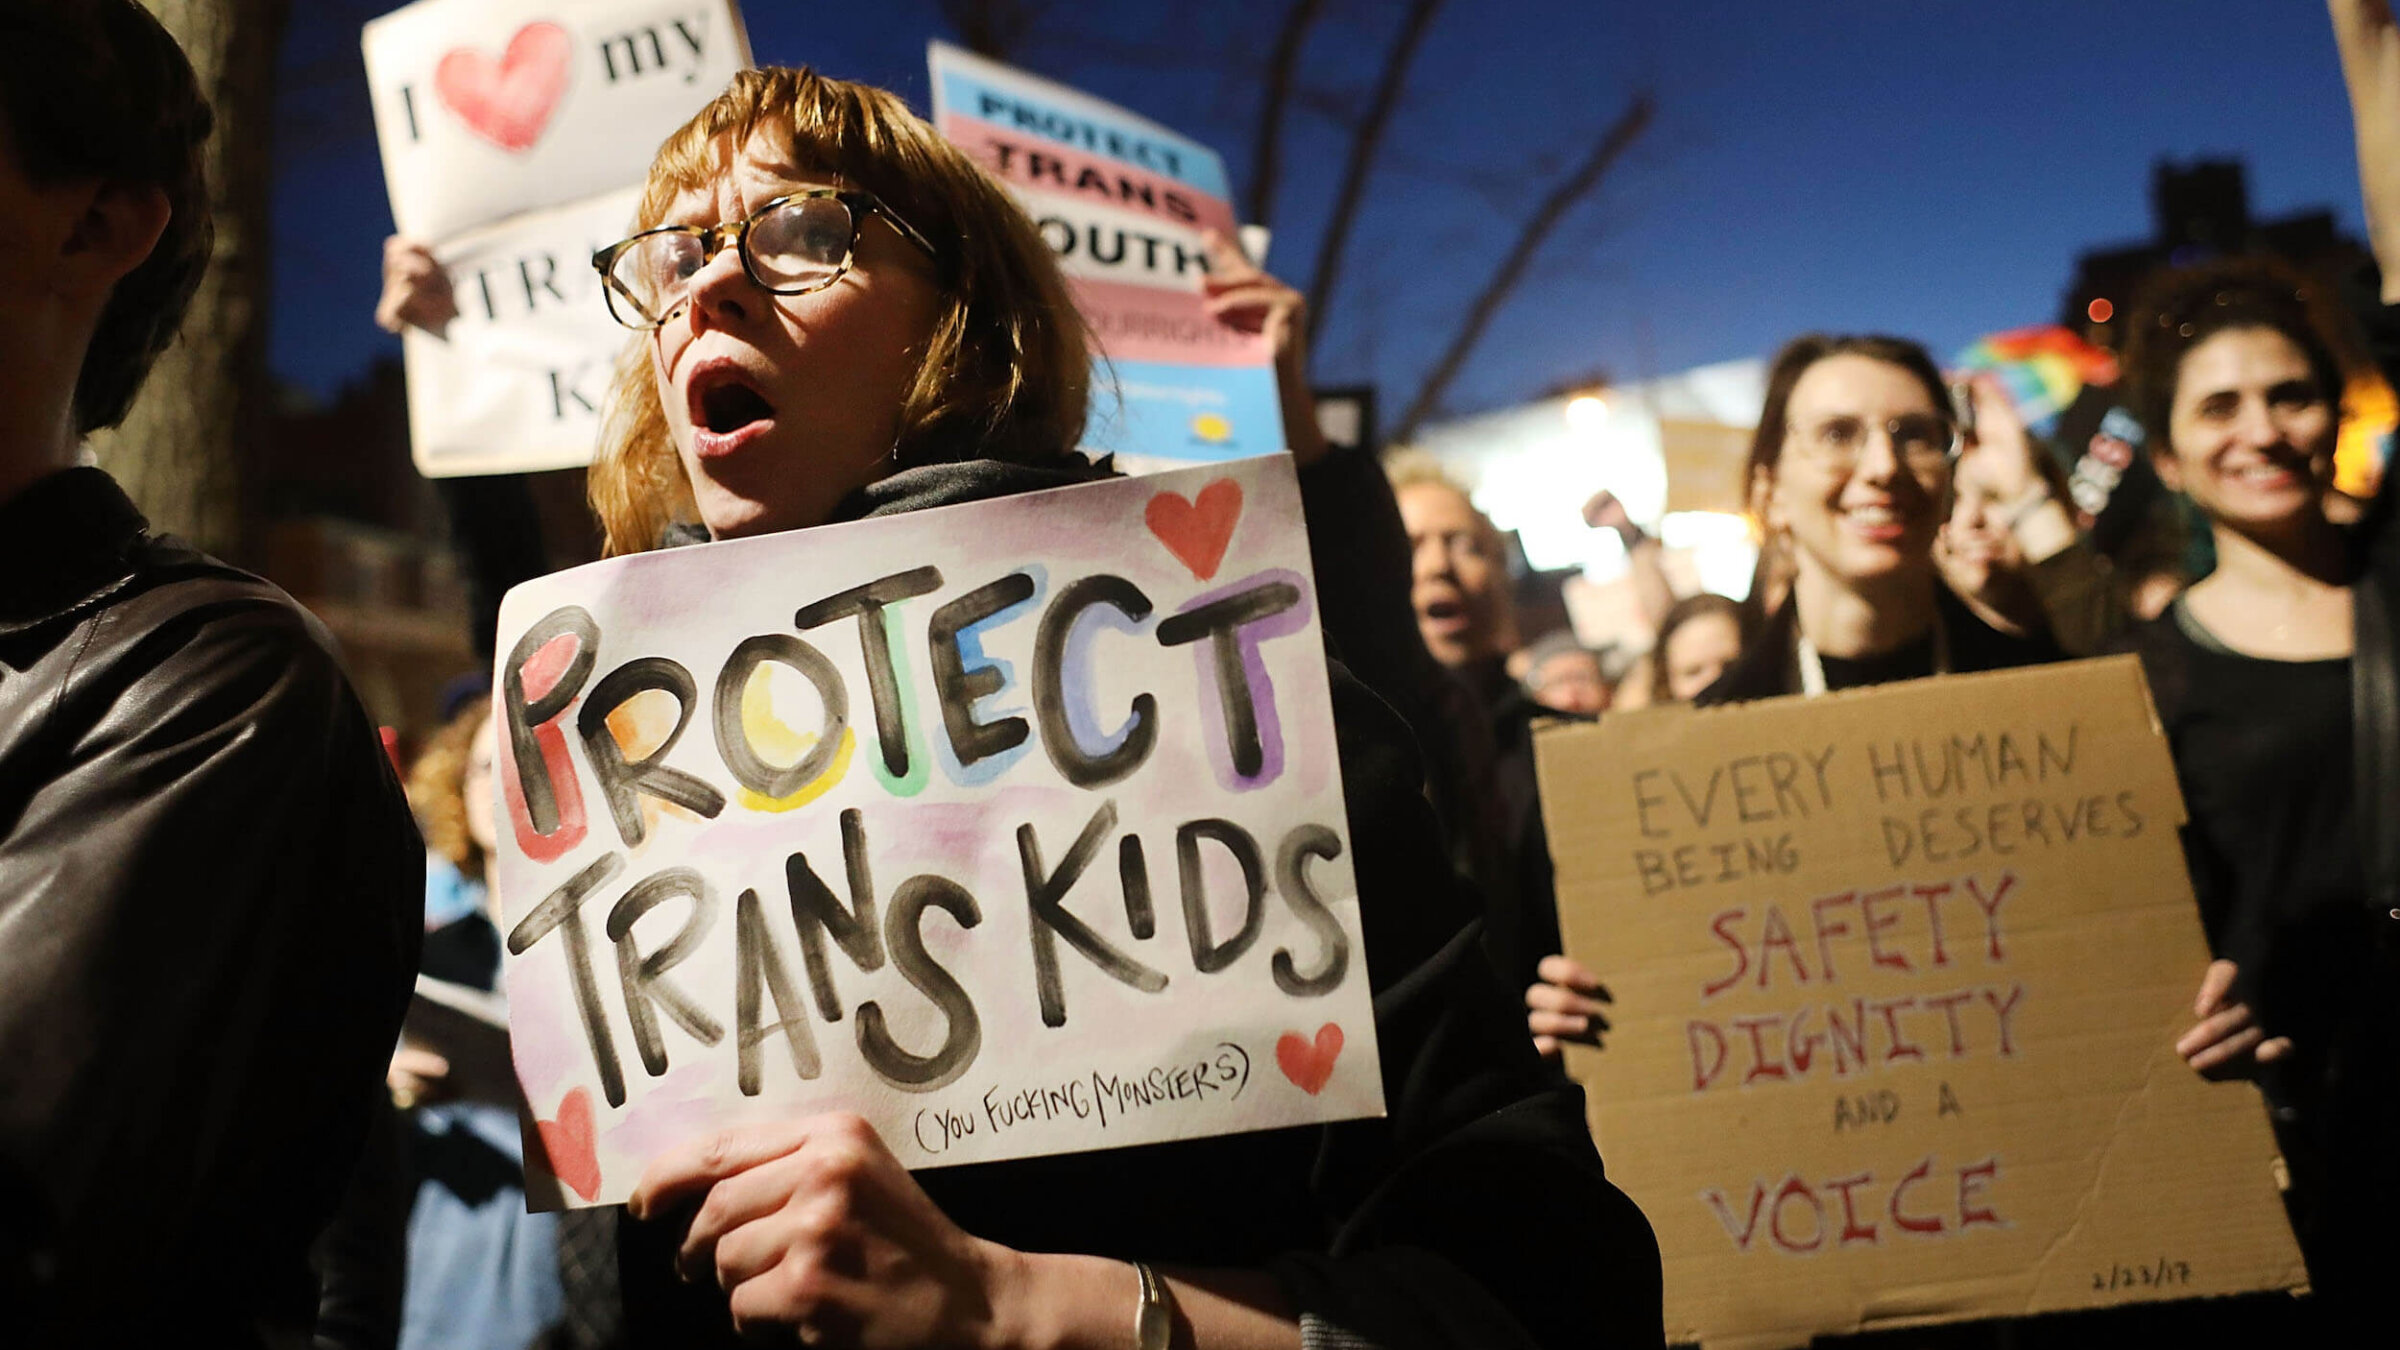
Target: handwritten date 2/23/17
[2159, 1274]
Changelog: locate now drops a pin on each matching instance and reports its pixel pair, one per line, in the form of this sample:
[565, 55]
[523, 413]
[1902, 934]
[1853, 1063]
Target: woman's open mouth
[726, 408]
[1445, 616]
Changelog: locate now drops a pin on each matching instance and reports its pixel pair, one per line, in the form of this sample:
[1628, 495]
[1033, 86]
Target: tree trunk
[180, 451]
[1573, 188]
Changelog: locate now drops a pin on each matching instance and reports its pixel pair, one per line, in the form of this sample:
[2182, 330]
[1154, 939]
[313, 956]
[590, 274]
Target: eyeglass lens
[1919, 438]
[794, 247]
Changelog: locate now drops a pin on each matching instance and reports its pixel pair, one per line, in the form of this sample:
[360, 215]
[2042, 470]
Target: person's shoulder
[2168, 654]
[1763, 670]
[174, 580]
[192, 629]
[2145, 636]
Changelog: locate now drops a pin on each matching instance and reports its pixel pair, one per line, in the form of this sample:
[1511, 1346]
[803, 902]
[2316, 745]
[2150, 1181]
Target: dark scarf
[930, 485]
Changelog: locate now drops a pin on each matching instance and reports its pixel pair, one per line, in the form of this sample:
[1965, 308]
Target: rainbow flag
[2042, 368]
[2370, 413]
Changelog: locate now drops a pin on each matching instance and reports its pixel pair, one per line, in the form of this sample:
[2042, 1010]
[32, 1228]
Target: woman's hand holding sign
[811, 1224]
[1244, 297]
[1569, 1004]
[2227, 1042]
[815, 1230]
[416, 291]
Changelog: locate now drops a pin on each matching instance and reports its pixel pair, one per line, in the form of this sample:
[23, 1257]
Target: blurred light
[1586, 412]
[2100, 311]
[1539, 490]
[1724, 551]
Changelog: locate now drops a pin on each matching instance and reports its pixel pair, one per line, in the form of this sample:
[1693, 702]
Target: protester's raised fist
[1605, 512]
[416, 291]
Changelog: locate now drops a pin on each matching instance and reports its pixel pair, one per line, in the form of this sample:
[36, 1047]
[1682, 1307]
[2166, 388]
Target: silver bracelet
[1153, 1311]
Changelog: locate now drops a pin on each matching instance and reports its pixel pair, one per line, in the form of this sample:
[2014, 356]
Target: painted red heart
[1309, 1065]
[1198, 530]
[567, 1141]
[508, 102]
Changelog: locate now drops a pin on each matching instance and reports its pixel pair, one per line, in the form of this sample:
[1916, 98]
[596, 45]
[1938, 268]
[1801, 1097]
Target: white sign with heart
[1016, 827]
[488, 108]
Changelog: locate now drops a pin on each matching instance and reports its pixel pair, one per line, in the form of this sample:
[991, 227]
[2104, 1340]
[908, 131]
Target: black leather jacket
[210, 891]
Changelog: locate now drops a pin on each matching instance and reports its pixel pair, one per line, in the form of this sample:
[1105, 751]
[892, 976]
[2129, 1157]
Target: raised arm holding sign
[512, 132]
[1129, 207]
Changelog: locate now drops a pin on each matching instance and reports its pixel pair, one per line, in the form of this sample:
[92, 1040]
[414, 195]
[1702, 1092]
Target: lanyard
[1812, 669]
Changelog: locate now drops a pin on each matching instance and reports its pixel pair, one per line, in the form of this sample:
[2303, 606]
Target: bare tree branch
[1264, 161]
[1362, 161]
[1613, 143]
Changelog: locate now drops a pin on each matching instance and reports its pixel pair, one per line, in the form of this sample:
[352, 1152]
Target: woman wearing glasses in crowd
[1851, 470]
[1850, 475]
[841, 317]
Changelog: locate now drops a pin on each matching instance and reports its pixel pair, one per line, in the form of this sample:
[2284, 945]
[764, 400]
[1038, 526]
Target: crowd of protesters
[216, 898]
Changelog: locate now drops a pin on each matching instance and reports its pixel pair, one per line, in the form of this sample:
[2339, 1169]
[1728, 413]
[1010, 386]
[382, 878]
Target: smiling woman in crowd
[2272, 676]
[1850, 476]
[842, 317]
[1851, 470]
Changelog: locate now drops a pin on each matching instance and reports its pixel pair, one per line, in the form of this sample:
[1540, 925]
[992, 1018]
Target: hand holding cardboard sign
[1567, 1005]
[416, 291]
[1244, 297]
[2228, 1042]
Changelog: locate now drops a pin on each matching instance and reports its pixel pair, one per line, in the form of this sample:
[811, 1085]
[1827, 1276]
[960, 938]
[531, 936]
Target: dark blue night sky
[1926, 167]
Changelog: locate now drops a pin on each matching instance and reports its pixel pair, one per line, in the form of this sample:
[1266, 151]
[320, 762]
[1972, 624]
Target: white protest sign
[515, 134]
[1015, 827]
[516, 382]
[485, 108]
[1122, 201]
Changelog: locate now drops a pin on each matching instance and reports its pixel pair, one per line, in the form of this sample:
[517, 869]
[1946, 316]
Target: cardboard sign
[1898, 976]
[1122, 201]
[485, 108]
[1706, 464]
[1015, 827]
[517, 381]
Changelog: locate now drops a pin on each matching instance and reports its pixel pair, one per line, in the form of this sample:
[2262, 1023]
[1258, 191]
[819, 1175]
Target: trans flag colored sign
[1123, 201]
